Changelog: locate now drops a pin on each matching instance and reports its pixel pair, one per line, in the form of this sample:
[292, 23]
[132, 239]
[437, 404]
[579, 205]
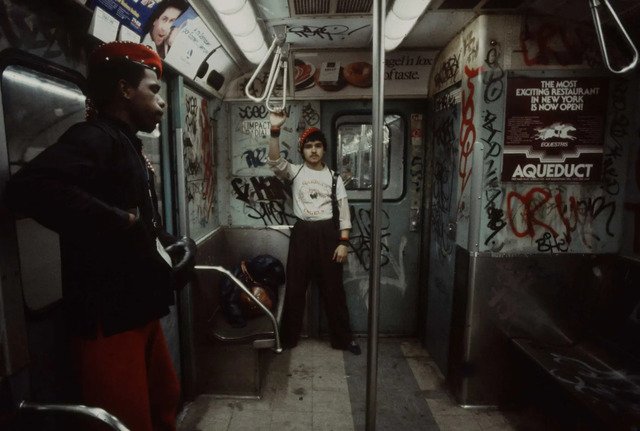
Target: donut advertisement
[323, 74]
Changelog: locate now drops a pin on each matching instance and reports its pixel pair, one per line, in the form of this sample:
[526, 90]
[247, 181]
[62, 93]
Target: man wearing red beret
[119, 267]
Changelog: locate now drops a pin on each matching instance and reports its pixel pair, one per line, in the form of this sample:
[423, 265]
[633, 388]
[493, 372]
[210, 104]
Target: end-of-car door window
[354, 144]
[37, 108]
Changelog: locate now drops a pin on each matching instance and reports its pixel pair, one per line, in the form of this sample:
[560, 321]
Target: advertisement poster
[192, 44]
[351, 74]
[132, 14]
[554, 129]
[172, 29]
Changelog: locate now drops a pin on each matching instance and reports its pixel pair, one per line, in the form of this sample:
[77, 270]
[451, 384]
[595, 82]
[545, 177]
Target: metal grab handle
[257, 72]
[595, 12]
[280, 61]
[93, 412]
[246, 290]
[284, 65]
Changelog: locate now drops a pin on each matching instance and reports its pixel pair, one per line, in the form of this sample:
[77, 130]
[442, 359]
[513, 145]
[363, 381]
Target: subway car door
[350, 154]
[39, 102]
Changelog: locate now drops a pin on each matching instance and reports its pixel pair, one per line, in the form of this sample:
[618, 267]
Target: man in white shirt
[319, 243]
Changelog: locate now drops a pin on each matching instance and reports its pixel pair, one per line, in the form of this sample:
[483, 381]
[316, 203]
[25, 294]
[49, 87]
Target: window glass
[38, 109]
[354, 145]
[354, 155]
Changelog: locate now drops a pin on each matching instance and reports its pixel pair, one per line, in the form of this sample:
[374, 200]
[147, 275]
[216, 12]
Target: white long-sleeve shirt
[312, 192]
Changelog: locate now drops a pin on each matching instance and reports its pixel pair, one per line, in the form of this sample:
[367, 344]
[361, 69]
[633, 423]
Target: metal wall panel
[547, 298]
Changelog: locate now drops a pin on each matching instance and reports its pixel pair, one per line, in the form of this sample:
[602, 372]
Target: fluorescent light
[240, 21]
[227, 7]
[396, 28]
[400, 21]
[252, 41]
[256, 56]
[391, 44]
[409, 9]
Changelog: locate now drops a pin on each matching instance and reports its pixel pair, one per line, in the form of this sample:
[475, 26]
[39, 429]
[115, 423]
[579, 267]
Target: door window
[354, 145]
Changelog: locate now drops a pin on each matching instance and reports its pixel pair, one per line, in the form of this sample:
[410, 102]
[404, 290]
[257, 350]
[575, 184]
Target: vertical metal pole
[379, 8]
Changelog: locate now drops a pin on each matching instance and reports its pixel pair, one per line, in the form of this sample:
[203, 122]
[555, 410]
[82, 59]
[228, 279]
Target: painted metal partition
[195, 214]
[445, 129]
[33, 359]
[540, 168]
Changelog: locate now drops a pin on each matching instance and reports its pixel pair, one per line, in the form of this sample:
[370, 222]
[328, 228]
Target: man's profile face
[146, 106]
[162, 25]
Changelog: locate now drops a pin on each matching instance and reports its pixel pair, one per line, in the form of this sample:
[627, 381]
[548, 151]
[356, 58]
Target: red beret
[129, 50]
[306, 134]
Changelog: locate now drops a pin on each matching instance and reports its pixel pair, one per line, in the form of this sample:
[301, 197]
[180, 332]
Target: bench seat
[606, 385]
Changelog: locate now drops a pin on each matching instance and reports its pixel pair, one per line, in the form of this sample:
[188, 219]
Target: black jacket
[81, 187]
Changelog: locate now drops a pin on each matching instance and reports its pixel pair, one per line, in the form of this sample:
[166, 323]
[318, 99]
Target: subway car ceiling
[207, 53]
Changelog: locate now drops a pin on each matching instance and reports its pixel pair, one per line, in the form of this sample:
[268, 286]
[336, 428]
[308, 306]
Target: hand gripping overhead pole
[596, 6]
[280, 62]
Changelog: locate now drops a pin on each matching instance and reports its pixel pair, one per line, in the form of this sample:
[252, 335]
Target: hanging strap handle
[280, 62]
[595, 12]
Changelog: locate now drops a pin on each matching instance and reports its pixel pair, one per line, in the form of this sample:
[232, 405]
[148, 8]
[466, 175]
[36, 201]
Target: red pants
[130, 375]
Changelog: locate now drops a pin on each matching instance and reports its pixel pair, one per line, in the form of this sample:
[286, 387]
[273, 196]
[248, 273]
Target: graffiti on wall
[447, 72]
[445, 140]
[550, 217]
[491, 136]
[547, 218]
[264, 200]
[331, 31]
[360, 237]
[467, 139]
[546, 42]
[322, 33]
[258, 198]
[198, 163]
[357, 276]
[250, 135]
[553, 218]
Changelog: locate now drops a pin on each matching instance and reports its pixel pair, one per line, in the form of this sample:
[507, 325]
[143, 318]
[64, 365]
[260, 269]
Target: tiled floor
[307, 388]
[448, 415]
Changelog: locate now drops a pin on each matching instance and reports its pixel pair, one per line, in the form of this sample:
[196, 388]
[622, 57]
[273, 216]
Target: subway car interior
[487, 292]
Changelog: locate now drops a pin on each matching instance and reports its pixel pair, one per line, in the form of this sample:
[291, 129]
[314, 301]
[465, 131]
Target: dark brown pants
[311, 251]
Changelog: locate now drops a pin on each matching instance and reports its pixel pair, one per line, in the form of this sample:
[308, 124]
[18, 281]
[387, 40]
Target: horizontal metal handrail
[76, 409]
[595, 12]
[246, 290]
